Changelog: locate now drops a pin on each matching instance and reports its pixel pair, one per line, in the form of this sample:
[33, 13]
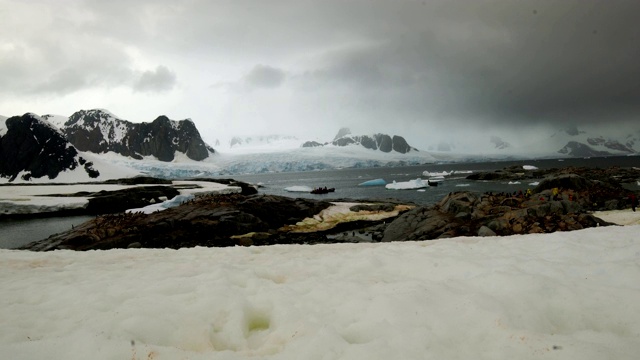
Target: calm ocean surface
[15, 233]
[346, 181]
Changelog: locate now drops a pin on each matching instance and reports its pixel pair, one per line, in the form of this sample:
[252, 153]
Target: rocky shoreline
[563, 200]
[143, 191]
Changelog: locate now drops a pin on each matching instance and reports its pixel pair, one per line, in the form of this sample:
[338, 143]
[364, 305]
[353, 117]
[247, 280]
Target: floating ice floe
[374, 182]
[535, 183]
[514, 182]
[463, 185]
[440, 174]
[529, 167]
[298, 188]
[407, 185]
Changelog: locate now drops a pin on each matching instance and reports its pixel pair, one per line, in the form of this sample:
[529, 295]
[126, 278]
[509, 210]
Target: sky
[429, 70]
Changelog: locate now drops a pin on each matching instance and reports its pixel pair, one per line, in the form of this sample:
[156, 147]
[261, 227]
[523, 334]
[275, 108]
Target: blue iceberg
[375, 182]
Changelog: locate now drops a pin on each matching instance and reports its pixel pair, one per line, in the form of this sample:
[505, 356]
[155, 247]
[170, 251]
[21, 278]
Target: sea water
[14, 233]
[346, 181]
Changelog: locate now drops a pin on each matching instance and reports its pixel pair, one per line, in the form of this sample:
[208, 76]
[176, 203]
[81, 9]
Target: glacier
[274, 161]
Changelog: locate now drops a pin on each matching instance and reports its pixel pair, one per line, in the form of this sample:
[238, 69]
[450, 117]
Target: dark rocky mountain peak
[35, 148]
[382, 142]
[574, 148]
[99, 131]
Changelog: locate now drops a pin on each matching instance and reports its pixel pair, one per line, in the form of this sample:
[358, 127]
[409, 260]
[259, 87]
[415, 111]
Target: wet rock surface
[611, 175]
[211, 220]
[563, 201]
[150, 190]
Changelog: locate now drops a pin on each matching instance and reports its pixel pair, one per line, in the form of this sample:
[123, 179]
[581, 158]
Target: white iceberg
[529, 167]
[440, 174]
[407, 185]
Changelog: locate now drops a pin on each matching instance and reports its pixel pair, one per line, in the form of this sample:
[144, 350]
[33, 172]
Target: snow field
[571, 295]
[34, 199]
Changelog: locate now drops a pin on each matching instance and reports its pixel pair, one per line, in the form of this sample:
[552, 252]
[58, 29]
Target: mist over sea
[14, 233]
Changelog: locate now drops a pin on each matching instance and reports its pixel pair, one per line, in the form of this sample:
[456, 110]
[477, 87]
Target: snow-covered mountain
[99, 131]
[3, 125]
[569, 142]
[381, 142]
[56, 120]
[147, 147]
[32, 148]
[574, 142]
[256, 144]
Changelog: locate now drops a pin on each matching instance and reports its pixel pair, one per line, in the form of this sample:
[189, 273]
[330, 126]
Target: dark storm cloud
[264, 77]
[483, 63]
[503, 62]
[160, 80]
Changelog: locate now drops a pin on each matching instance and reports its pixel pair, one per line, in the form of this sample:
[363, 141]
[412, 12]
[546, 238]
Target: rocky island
[563, 200]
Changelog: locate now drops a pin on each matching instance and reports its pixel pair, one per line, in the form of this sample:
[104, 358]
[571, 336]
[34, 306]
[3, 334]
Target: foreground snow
[571, 295]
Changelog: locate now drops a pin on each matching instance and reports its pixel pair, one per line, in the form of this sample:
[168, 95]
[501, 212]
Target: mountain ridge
[31, 147]
[382, 142]
[99, 131]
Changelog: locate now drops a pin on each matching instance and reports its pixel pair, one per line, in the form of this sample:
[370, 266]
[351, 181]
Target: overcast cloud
[162, 79]
[430, 70]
